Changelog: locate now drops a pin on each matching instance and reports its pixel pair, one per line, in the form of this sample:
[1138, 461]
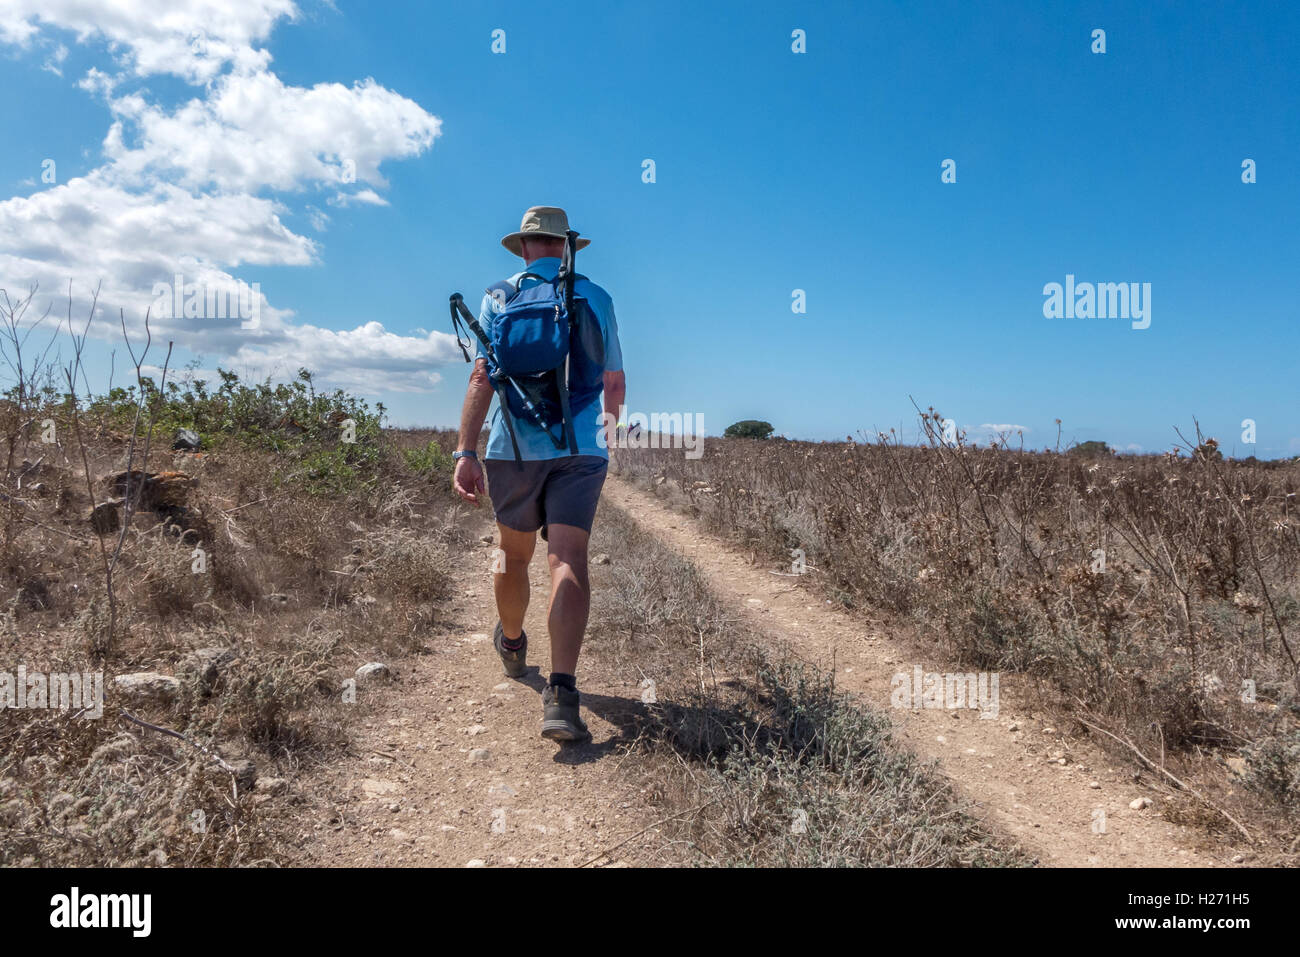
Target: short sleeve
[613, 350]
[486, 311]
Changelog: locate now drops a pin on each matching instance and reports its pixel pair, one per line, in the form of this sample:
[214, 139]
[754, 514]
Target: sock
[560, 680]
[513, 644]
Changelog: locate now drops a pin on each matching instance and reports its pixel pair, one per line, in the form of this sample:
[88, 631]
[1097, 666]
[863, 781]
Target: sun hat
[541, 221]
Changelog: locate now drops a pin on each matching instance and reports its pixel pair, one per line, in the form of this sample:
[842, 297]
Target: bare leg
[570, 595]
[511, 586]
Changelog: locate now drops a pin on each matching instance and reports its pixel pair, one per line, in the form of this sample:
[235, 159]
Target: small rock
[277, 599]
[376, 787]
[1095, 785]
[1013, 726]
[480, 754]
[1238, 858]
[374, 670]
[186, 440]
[504, 686]
[272, 785]
[245, 772]
[475, 730]
[601, 559]
[1138, 804]
[105, 519]
[477, 862]
[398, 834]
[486, 539]
[147, 685]
[1049, 731]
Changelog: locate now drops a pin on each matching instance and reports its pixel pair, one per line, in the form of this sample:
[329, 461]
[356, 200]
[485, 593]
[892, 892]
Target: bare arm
[478, 398]
[468, 480]
[615, 397]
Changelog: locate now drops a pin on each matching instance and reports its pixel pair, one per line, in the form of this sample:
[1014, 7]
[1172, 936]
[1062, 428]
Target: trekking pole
[460, 311]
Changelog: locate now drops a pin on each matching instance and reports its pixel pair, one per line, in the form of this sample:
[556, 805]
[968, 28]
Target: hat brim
[512, 243]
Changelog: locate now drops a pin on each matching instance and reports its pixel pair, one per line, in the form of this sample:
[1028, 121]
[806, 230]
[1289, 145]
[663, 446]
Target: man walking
[551, 489]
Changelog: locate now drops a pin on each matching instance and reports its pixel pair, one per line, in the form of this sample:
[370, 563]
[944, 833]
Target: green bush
[1092, 447]
[430, 461]
[329, 442]
[748, 429]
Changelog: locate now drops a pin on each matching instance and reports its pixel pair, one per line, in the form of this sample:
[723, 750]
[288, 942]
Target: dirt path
[448, 768]
[1002, 764]
[419, 791]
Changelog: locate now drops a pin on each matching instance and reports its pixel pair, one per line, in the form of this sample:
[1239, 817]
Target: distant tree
[1091, 448]
[748, 429]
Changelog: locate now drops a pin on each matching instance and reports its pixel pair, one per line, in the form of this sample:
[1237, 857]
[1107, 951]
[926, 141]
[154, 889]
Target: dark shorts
[554, 491]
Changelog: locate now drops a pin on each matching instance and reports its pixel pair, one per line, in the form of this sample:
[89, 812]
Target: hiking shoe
[560, 718]
[515, 662]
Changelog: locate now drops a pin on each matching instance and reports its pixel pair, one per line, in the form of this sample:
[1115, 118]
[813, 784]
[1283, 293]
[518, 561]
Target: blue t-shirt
[534, 445]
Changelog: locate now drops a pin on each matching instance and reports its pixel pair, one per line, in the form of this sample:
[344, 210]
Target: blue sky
[775, 171]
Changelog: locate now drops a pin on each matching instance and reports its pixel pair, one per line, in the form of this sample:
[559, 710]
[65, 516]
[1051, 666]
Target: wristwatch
[464, 454]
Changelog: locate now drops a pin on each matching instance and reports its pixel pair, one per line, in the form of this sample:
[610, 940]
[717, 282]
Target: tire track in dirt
[1000, 764]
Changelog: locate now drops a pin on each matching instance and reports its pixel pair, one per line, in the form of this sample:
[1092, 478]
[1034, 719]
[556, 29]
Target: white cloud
[54, 62]
[252, 132]
[97, 81]
[1000, 429]
[202, 189]
[364, 196]
[193, 39]
[318, 217]
[91, 228]
[356, 358]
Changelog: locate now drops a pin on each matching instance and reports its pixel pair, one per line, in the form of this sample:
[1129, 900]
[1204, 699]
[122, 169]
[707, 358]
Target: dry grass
[318, 558]
[755, 761]
[993, 554]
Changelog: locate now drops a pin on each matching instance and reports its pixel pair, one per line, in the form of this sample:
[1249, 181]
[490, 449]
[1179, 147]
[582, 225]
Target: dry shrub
[109, 792]
[87, 793]
[996, 554]
[758, 761]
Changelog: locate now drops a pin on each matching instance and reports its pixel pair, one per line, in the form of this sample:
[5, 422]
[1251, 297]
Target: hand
[468, 480]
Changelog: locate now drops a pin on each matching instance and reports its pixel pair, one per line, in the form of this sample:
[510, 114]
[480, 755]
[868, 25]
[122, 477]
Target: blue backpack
[544, 349]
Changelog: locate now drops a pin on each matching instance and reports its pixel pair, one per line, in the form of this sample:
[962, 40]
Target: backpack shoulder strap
[502, 291]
